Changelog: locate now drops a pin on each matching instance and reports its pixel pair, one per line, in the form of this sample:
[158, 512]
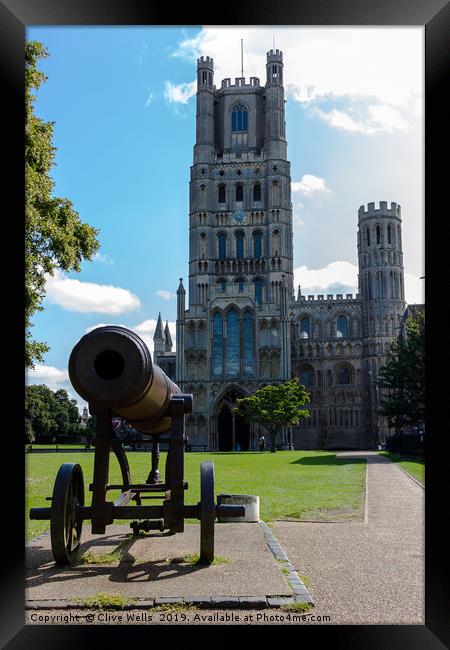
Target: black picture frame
[15, 15]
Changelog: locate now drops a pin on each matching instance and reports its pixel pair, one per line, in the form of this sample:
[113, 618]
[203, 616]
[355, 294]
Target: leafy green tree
[55, 237]
[402, 379]
[39, 414]
[275, 406]
[66, 413]
[49, 413]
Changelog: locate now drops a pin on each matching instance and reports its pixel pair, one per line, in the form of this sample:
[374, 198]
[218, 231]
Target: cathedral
[246, 325]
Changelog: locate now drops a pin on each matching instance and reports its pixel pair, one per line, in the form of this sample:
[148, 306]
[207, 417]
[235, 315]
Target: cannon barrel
[111, 367]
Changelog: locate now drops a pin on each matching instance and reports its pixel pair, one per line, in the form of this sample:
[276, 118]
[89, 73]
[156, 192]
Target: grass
[105, 601]
[297, 607]
[414, 466]
[290, 484]
[119, 554]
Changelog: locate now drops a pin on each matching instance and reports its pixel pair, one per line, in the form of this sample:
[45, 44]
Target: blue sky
[122, 99]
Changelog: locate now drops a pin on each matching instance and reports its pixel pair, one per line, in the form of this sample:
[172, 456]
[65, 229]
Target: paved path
[146, 573]
[366, 572]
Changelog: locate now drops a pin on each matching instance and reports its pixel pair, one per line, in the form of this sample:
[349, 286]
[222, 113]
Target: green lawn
[414, 466]
[290, 484]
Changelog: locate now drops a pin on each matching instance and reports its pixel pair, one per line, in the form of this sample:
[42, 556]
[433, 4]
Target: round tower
[381, 289]
[204, 147]
[380, 262]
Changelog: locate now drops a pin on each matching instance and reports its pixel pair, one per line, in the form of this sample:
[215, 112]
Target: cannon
[111, 368]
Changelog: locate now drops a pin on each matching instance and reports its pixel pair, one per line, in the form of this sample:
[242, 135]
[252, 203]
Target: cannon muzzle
[112, 367]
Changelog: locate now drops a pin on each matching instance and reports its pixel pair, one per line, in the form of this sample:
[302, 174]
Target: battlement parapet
[383, 210]
[205, 62]
[240, 82]
[274, 55]
[339, 297]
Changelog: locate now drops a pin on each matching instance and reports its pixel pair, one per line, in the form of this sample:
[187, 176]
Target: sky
[123, 103]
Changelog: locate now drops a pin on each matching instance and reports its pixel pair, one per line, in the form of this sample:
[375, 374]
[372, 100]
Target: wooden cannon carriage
[111, 368]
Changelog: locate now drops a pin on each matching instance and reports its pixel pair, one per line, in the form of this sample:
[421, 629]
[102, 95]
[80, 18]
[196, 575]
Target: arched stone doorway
[233, 432]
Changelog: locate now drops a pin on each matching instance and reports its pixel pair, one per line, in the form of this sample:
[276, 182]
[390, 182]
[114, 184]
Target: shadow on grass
[327, 460]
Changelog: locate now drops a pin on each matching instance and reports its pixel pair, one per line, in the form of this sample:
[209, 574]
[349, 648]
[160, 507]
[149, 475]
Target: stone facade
[244, 326]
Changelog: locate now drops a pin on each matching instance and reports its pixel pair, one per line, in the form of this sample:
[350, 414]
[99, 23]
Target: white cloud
[166, 295]
[150, 98]
[381, 68]
[147, 328]
[48, 375]
[375, 119]
[102, 258]
[310, 184]
[414, 289]
[181, 93]
[337, 277]
[342, 277]
[78, 296]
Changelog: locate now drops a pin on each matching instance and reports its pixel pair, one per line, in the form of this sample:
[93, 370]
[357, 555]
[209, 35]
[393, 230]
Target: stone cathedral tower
[244, 327]
[235, 334]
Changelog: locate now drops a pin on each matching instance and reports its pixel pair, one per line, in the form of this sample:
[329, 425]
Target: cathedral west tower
[235, 333]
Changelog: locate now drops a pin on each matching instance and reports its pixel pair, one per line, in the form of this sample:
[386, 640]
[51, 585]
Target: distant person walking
[262, 443]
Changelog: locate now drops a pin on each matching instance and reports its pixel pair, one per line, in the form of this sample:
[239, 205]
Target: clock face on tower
[239, 216]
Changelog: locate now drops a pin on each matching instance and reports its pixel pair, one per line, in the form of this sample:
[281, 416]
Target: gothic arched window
[389, 234]
[217, 344]
[344, 376]
[257, 244]
[368, 236]
[378, 235]
[248, 345]
[240, 245]
[239, 192]
[222, 196]
[222, 245]
[259, 283]
[233, 343]
[305, 328]
[223, 283]
[307, 375]
[342, 327]
[257, 192]
[239, 118]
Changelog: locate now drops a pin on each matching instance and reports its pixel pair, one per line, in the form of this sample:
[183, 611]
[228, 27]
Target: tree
[275, 406]
[49, 413]
[55, 237]
[402, 379]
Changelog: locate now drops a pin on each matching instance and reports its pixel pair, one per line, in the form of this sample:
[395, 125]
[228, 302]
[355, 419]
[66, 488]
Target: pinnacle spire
[168, 338]
[158, 335]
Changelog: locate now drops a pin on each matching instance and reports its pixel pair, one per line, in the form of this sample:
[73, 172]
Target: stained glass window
[217, 345]
[248, 344]
[233, 343]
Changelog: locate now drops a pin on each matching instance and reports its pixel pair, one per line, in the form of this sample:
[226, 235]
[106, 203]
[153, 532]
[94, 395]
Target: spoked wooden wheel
[207, 512]
[65, 522]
